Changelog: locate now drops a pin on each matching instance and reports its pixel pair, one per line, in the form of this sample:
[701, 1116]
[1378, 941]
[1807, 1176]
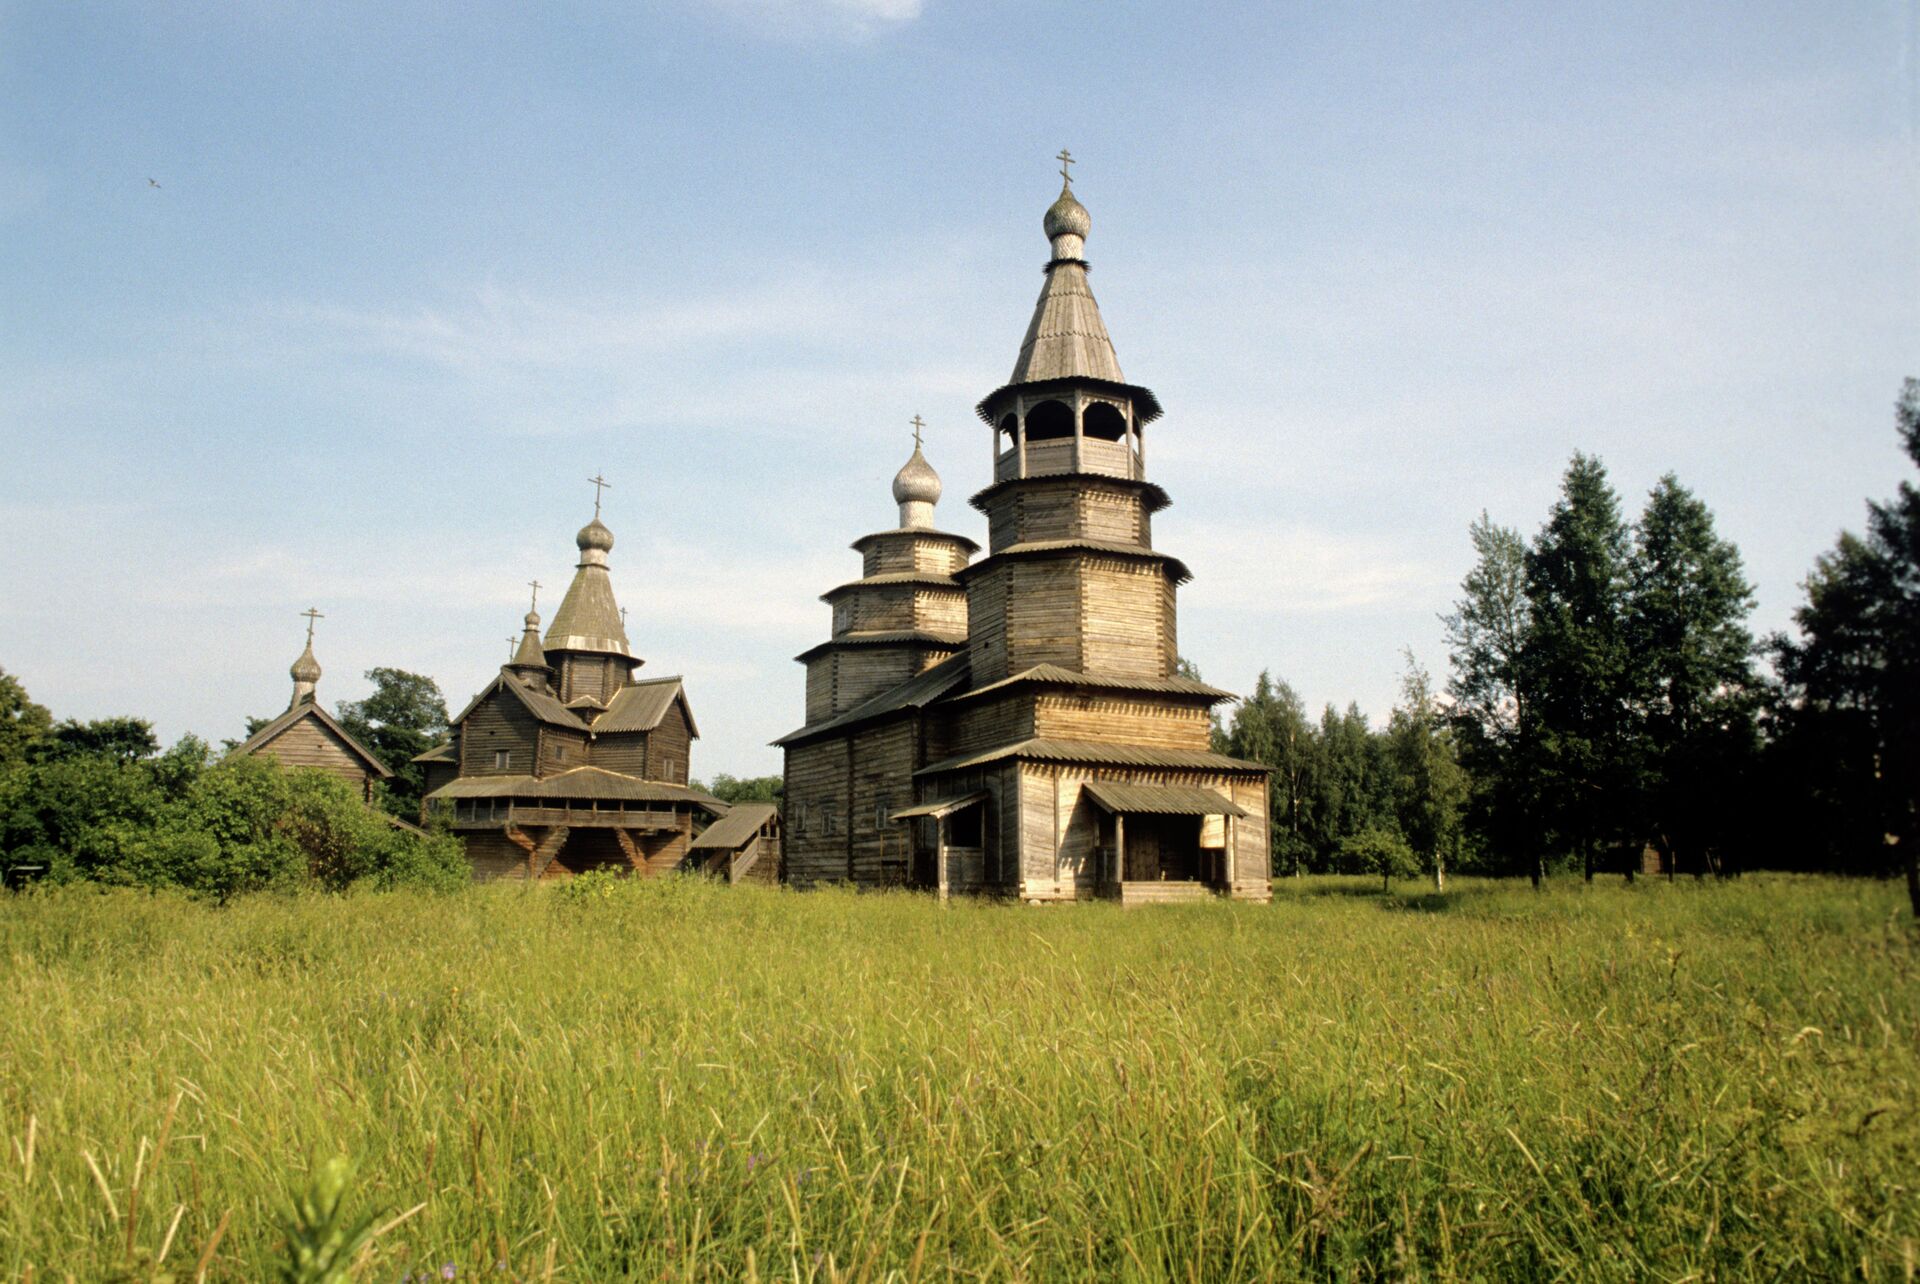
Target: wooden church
[1016, 725]
[566, 761]
[306, 735]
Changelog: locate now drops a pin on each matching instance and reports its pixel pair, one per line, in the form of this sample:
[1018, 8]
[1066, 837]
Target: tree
[1487, 635]
[1375, 850]
[1270, 727]
[1216, 733]
[404, 717]
[22, 722]
[1692, 680]
[1432, 785]
[1854, 675]
[735, 789]
[1574, 665]
[123, 740]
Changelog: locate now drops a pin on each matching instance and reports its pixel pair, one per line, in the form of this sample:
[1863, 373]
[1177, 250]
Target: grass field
[675, 1081]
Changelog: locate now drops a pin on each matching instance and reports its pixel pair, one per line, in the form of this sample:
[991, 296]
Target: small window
[501, 759]
[880, 810]
[826, 819]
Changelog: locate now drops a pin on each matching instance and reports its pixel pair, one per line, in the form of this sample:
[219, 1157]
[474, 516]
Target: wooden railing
[490, 812]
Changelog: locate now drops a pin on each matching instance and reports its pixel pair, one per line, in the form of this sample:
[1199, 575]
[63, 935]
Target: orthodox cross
[535, 586]
[513, 647]
[311, 614]
[1066, 163]
[623, 619]
[599, 484]
[918, 425]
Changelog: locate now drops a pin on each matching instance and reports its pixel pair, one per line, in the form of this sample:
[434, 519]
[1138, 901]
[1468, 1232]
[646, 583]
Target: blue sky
[414, 272]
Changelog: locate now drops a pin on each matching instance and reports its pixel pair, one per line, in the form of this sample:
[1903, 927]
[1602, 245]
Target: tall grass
[677, 1081]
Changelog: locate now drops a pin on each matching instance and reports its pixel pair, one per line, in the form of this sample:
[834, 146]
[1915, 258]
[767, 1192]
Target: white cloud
[802, 19]
[1301, 570]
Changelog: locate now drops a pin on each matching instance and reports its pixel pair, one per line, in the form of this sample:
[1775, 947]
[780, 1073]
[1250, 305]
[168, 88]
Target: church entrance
[1163, 837]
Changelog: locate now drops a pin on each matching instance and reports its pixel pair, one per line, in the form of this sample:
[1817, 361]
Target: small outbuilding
[742, 846]
[306, 735]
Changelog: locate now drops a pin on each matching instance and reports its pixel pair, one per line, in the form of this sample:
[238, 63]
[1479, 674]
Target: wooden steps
[1170, 892]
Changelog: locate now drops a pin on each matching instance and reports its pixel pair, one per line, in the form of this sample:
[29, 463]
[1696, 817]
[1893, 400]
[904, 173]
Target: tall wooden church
[1016, 725]
[567, 761]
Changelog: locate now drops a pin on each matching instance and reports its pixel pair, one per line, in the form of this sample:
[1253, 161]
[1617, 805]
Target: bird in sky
[151, 183]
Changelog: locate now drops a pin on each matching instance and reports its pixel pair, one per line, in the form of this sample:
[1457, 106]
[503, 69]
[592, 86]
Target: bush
[1376, 851]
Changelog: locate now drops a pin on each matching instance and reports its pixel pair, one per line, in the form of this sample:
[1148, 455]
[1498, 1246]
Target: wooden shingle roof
[588, 783]
[641, 706]
[915, 693]
[1096, 753]
[1061, 676]
[541, 704]
[735, 829]
[1128, 799]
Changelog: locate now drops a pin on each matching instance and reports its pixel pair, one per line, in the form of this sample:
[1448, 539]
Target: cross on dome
[919, 425]
[311, 614]
[599, 484]
[1066, 164]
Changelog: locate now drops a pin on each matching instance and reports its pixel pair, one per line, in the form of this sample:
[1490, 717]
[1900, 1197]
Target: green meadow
[675, 1081]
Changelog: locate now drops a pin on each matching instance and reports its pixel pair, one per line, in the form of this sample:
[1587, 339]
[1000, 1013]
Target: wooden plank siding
[308, 742]
[624, 751]
[1118, 718]
[1126, 625]
[668, 746]
[500, 722]
[817, 785]
[561, 750]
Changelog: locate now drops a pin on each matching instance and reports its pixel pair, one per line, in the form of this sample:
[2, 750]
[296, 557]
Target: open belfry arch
[567, 761]
[1016, 725]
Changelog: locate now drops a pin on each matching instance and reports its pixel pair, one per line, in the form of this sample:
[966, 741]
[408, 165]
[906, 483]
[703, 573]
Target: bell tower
[1071, 579]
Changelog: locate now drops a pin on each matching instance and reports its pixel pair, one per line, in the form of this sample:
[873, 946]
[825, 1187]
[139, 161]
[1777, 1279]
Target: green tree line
[1608, 698]
[102, 801]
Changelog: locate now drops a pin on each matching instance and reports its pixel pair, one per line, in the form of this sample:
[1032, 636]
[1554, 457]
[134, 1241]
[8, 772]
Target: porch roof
[941, 806]
[1160, 800]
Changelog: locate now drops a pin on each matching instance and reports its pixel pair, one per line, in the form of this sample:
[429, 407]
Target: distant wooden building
[743, 846]
[566, 761]
[306, 735]
[1016, 726]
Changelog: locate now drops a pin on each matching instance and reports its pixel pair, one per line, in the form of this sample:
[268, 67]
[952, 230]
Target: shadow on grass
[1401, 898]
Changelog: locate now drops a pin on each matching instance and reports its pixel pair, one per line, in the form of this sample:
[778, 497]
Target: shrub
[1376, 851]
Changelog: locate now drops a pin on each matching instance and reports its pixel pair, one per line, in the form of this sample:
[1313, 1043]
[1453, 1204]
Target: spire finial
[1066, 165]
[306, 670]
[535, 586]
[599, 484]
[623, 617]
[919, 426]
[513, 645]
[311, 614]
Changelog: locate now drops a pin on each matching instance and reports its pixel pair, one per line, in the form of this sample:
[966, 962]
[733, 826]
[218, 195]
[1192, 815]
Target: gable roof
[442, 752]
[916, 692]
[541, 704]
[311, 709]
[641, 706]
[735, 828]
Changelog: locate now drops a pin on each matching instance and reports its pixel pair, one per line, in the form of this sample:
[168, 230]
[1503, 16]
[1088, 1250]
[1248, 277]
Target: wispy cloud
[802, 19]
[1303, 570]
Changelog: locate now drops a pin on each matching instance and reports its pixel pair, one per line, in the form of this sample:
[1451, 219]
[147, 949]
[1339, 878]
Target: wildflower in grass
[447, 1272]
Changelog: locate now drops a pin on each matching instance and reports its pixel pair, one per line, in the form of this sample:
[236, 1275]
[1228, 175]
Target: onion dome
[594, 537]
[916, 488]
[916, 481]
[306, 668]
[1067, 217]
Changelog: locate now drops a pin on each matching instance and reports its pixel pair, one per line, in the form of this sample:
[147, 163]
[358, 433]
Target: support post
[1020, 436]
[1119, 851]
[1079, 429]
